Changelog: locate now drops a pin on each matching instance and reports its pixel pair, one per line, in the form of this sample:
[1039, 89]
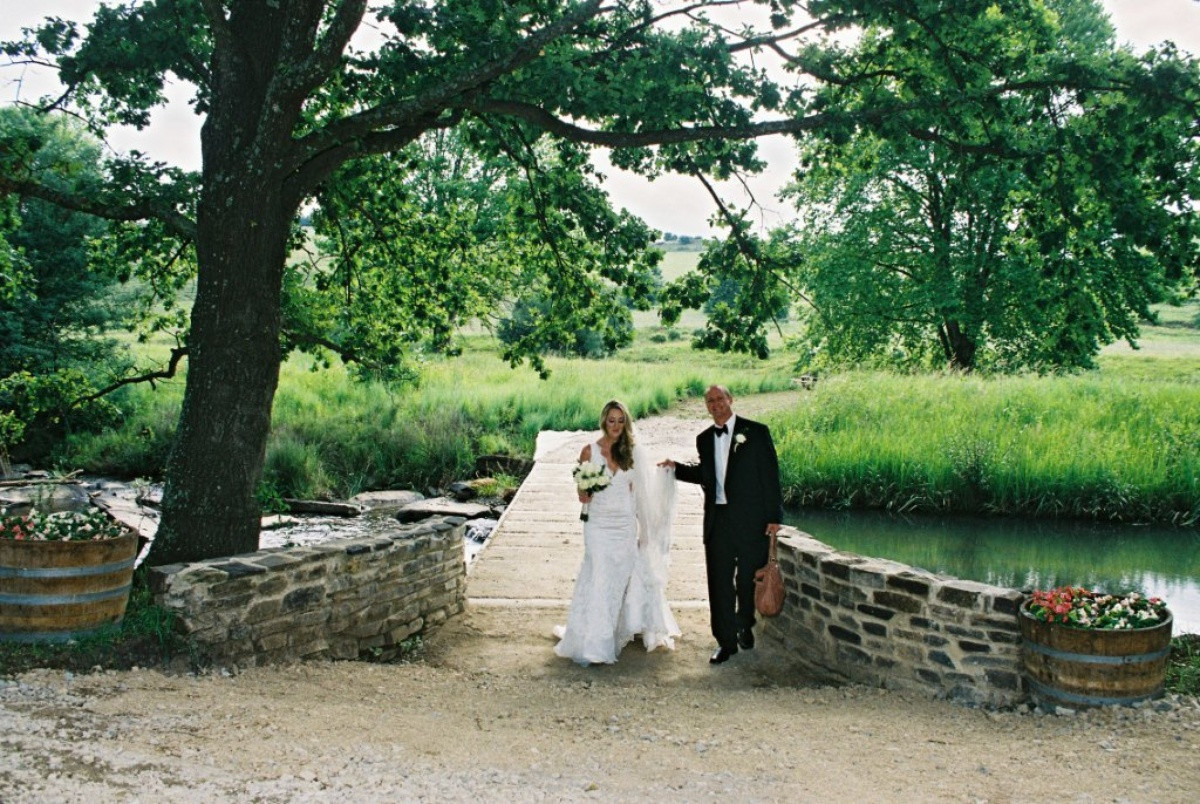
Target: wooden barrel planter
[1090, 667]
[53, 591]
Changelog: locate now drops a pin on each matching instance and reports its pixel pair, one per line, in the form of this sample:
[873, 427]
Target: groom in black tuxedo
[743, 506]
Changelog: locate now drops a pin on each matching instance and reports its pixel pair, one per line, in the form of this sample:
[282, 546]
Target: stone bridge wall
[882, 623]
[343, 599]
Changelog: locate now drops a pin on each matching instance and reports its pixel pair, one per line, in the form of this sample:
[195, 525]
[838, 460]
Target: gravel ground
[488, 713]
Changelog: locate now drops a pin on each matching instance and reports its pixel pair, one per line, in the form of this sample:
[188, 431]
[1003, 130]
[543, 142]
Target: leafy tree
[460, 233]
[738, 282]
[57, 304]
[11, 263]
[54, 318]
[1031, 253]
[527, 323]
[291, 98]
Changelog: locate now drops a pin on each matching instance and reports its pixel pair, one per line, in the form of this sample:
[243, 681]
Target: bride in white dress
[620, 591]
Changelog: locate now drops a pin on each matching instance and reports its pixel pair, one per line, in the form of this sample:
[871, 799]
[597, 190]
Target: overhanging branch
[433, 102]
[539, 117]
[177, 354]
[91, 205]
[745, 249]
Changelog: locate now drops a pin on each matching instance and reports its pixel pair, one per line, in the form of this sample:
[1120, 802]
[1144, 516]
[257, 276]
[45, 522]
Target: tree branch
[101, 207]
[542, 119]
[350, 129]
[214, 10]
[319, 166]
[177, 354]
[747, 252]
[329, 48]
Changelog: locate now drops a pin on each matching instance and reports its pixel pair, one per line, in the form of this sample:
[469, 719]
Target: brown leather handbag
[768, 586]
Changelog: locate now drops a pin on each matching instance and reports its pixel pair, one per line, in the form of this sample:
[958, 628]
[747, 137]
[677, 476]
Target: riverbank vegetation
[333, 436]
[1117, 444]
[1097, 446]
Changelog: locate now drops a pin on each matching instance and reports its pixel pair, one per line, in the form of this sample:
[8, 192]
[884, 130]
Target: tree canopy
[1032, 251]
[326, 102]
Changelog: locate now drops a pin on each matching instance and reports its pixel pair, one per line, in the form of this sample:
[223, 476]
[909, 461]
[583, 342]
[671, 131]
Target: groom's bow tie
[722, 430]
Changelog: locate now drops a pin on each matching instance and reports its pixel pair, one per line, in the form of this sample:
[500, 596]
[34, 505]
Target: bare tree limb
[744, 247]
[177, 354]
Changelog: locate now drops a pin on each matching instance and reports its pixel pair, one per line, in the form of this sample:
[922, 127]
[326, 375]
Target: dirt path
[488, 713]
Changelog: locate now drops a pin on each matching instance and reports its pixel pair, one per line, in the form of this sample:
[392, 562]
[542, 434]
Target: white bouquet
[589, 478]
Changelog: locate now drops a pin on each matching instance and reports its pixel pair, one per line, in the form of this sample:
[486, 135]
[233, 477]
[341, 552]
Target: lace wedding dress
[620, 591]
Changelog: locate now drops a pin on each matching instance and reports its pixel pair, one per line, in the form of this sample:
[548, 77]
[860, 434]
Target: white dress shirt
[721, 444]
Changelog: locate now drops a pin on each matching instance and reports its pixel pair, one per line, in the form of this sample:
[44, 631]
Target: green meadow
[1121, 443]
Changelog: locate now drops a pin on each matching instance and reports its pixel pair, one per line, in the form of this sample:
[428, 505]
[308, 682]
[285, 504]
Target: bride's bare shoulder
[586, 453]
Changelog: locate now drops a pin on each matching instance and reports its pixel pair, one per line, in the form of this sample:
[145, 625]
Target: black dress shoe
[721, 655]
[746, 639]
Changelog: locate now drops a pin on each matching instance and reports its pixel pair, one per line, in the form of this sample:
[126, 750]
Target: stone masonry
[343, 599]
[881, 623]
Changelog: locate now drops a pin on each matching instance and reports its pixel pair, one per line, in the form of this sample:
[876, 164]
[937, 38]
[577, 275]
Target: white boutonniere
[738, 440]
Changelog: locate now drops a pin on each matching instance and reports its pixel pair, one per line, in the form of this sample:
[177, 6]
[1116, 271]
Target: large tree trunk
[210, 506]
[959, 348]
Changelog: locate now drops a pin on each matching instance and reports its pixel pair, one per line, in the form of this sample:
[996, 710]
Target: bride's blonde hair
[622, 448]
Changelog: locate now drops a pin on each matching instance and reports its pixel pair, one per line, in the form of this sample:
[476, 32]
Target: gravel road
[488, 713]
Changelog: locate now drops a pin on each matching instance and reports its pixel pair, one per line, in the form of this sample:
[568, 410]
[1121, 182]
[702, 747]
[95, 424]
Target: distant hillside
[671, 242]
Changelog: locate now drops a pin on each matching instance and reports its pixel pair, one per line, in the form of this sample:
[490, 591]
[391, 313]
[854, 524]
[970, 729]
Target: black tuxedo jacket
[752, 489]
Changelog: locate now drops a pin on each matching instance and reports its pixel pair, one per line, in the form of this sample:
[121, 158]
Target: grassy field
[1118, 443]
[674, 265]
[1095, 446]
[333, 437]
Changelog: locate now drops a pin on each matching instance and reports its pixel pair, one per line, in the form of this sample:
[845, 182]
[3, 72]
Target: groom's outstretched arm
[687, 472]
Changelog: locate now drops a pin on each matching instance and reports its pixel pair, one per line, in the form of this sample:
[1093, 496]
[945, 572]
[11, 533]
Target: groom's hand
[667, 463]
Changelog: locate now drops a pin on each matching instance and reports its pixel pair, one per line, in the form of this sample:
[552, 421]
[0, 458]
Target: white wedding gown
[621, 588]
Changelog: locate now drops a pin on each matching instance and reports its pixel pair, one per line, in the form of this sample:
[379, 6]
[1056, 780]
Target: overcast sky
[672, 204]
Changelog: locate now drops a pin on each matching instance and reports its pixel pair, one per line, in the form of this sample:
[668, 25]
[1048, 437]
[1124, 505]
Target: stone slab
[441, 506]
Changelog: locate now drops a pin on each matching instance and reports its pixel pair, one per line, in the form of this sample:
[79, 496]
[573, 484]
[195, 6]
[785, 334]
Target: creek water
[1027, 554]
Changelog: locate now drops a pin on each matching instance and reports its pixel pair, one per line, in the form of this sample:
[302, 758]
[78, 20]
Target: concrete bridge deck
[536, 549]
[519, 586]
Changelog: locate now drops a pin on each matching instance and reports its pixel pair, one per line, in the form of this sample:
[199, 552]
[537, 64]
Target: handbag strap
[771, 556]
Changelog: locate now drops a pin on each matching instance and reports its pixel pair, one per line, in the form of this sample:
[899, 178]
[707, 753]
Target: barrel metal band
[1054, 694]
[58, 600]
[51, 636]
[67, 572]
[1087, 658]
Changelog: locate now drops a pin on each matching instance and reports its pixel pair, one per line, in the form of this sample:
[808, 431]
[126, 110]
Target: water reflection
[1028, 553]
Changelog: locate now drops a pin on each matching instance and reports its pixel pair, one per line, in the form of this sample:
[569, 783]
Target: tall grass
[333, 437]
[1094, 447]
[1120, 444]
